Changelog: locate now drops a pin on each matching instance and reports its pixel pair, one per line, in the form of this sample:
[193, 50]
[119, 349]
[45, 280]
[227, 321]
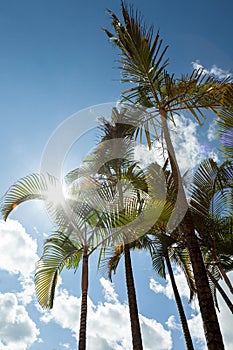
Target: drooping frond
[35, 186]
[58, 252]
[179, 254]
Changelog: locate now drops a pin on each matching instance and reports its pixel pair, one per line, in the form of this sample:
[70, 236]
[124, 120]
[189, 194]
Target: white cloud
[196, 329]
[214, 70]
[17, 330]
[108, 323]
[212, 132]
[157, 288]
[195, 322]
[28, 289]
[225, 321]
[145, 156]
[172, 324]
[109, 293]
[17, 249]
[189, 150]
[186, 143]
[167, 290]
[18, 256]
[65, 345]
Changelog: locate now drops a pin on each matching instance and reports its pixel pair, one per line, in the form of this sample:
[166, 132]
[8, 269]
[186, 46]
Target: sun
[55, 195]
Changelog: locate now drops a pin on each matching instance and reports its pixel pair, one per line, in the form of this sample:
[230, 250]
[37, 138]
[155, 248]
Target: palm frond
[179, 254]
[143, 58]
[58, 252]
[34, 186]
[210, 187]
[225, 122]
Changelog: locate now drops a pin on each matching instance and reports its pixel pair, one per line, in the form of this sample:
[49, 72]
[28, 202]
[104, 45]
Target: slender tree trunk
[83, 316]
[225, 277]
[221, 291]
[184, 323]
[210, 321]
[133, 309]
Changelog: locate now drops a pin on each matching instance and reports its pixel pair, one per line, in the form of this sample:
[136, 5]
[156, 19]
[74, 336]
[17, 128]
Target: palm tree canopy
[143, 64]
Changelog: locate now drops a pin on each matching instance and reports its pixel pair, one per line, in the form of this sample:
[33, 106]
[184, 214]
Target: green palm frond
[213, 274]
[35, 186]
[58, 252]
[142, 54]
[225, 122]
[211, 187]
[180, 255]
[158, 260]
[165, 245]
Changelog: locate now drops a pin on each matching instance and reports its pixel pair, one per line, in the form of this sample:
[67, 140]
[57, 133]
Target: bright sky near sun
[55, 61]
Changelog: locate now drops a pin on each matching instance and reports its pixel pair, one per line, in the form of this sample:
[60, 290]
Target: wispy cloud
[214, 70]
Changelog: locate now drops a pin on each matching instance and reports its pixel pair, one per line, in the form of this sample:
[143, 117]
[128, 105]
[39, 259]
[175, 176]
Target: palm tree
[123, 176]
[59, 252]
[161, 252]
[143, 65]
[160, 246]
[164, 249]
[120, 175]
[211, 206]
[117, 180]
[75, 239]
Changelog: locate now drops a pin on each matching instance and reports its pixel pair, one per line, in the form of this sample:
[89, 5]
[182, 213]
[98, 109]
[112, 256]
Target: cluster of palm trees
[120, 206]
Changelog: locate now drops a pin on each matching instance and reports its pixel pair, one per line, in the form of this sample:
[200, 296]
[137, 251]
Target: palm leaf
[210, 187]
[58, 252]
[35, 186]
[225, 122]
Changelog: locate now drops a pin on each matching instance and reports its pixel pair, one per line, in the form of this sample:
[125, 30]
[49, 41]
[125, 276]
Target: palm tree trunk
[210, 321]
[83, 316]
[133, 309]
[221, 291]
[187, 335]
[225, 277]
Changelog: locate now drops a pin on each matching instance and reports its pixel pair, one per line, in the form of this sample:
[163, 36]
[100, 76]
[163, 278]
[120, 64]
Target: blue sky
[56, 61]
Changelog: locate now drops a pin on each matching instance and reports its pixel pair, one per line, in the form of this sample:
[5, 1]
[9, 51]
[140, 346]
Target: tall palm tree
[143, 65]
[126, 179]
[76, 237]
[160, 252]
[122, 174]
[169, 246]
